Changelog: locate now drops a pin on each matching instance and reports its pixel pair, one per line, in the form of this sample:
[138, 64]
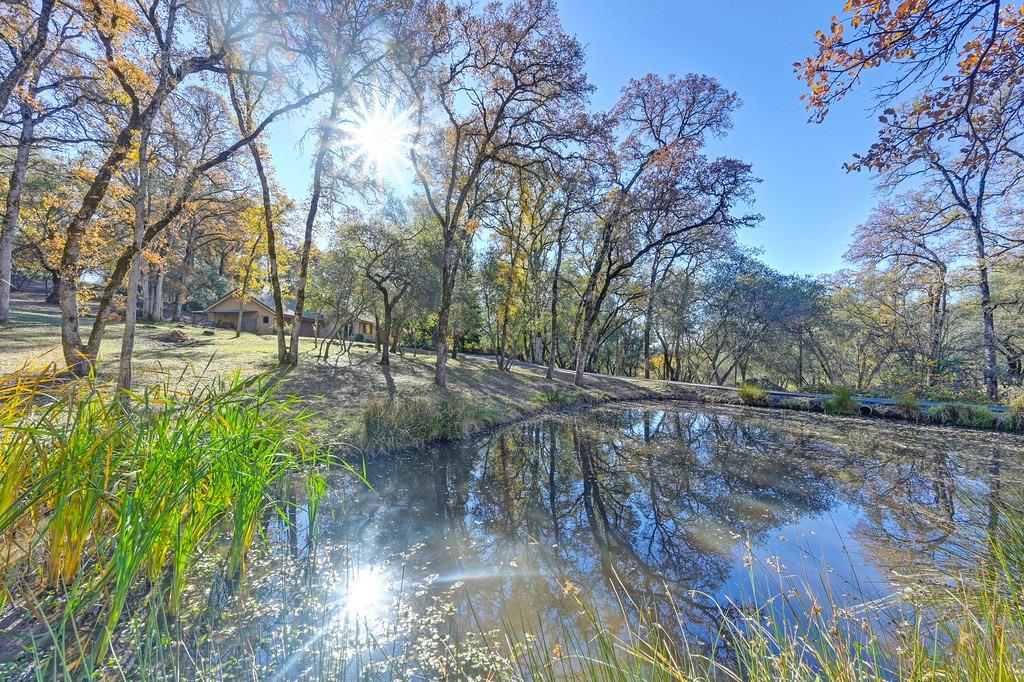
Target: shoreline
[593, 396]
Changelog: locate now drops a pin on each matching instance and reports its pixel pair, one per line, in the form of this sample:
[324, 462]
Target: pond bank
[484, 399]
[965, 415]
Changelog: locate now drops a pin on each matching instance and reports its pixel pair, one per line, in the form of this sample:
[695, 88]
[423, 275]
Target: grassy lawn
[336, 390]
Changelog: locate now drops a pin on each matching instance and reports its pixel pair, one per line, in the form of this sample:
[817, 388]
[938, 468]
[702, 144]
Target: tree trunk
[396, 337]
[938, 326]
[648, 317]
[147, 292]
[12, 211]
[275, 276]
[553, 345]
[245, 125]
[182, 297]
[591, 303]
[307, 239]
[78, 357]
[444, 312]
[158, 296]
[245, 285]
[582, 352]
[124, 367]
[800, 360]
[54, 295]
[385, 332]
[987, 315]
[502, 350]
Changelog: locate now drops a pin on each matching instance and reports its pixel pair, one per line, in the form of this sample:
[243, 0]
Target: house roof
[268, 303]
[234, 293]
[289, 308]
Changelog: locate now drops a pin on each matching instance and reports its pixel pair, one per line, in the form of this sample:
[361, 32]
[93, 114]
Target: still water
[692, 511]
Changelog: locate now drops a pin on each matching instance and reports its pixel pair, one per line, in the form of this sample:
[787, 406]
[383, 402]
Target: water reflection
[665, 500]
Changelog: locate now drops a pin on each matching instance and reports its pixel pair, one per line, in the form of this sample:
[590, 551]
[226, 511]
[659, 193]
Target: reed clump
[752, 394]
[108, 497]
[970, 629]
[840, 402]
[552, 396]
[397, 422]
[962, 414]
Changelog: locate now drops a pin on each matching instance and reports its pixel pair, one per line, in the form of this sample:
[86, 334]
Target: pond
[692, 511]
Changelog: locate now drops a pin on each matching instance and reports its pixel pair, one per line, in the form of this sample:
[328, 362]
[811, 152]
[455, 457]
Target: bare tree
[912, 235]
[387, 256]
[974, 164]
[503, 82]
[657, 187]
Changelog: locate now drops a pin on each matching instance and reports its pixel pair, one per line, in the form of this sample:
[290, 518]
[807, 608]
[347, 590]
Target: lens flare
[381, 138]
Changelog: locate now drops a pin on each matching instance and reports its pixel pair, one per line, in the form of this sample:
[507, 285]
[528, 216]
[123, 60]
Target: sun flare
[381, 138]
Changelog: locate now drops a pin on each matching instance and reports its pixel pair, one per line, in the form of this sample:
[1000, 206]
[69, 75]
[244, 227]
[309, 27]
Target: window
[266, 320]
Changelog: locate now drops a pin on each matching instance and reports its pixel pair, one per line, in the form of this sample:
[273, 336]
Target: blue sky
[809, 203]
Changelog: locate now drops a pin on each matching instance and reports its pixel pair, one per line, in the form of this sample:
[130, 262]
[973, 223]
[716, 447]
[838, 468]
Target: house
[258, 317]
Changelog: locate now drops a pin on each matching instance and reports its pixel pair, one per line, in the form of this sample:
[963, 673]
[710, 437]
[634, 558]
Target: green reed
[110, 500]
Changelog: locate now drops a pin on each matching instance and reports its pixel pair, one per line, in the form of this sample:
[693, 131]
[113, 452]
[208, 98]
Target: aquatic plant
[794, 633]
[788, 634]
[109, 496]
[398, 422]
[962, 414]
[795, 636]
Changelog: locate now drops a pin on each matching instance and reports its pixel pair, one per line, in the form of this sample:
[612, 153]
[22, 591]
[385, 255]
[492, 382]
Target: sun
[381, 137]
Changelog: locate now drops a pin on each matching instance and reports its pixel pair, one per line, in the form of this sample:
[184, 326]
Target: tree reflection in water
[660, 500]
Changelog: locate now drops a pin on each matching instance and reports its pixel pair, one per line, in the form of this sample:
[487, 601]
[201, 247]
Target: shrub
[752, 394]
[1015, 412]
[1016, 405]
[962, 414]
[840, 402]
